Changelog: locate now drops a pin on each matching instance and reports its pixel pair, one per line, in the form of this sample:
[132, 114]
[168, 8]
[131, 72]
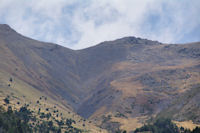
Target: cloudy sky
[79, 24]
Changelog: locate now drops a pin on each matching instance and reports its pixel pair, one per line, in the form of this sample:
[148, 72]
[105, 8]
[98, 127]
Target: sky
[79, 24]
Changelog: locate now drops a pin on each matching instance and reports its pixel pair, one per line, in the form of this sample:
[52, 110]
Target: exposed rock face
[130, 76]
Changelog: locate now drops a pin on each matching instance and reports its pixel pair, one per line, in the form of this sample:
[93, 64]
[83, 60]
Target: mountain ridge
[128, 78]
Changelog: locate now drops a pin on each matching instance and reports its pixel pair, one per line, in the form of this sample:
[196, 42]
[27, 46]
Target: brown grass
[129, 124]
[187, 124]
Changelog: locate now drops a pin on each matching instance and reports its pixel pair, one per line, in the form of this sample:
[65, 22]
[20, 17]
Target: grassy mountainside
[116, 84]
[144, 81]
[38, 74]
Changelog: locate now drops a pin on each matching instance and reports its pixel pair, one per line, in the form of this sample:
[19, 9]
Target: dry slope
[112, 83]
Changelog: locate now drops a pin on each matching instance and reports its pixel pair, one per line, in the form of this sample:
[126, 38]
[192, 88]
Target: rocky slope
[113, 83]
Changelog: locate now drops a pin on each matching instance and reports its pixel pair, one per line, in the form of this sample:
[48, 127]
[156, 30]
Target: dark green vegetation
[24, 121]
[164, 125]
[6, 100]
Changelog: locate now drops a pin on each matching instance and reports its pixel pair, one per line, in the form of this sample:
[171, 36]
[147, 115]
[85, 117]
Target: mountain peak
[137, 40]
[4, 28]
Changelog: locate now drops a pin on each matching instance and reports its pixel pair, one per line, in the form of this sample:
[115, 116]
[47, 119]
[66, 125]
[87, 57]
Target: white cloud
[177, 18]
[79, 24]
[122, 19]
